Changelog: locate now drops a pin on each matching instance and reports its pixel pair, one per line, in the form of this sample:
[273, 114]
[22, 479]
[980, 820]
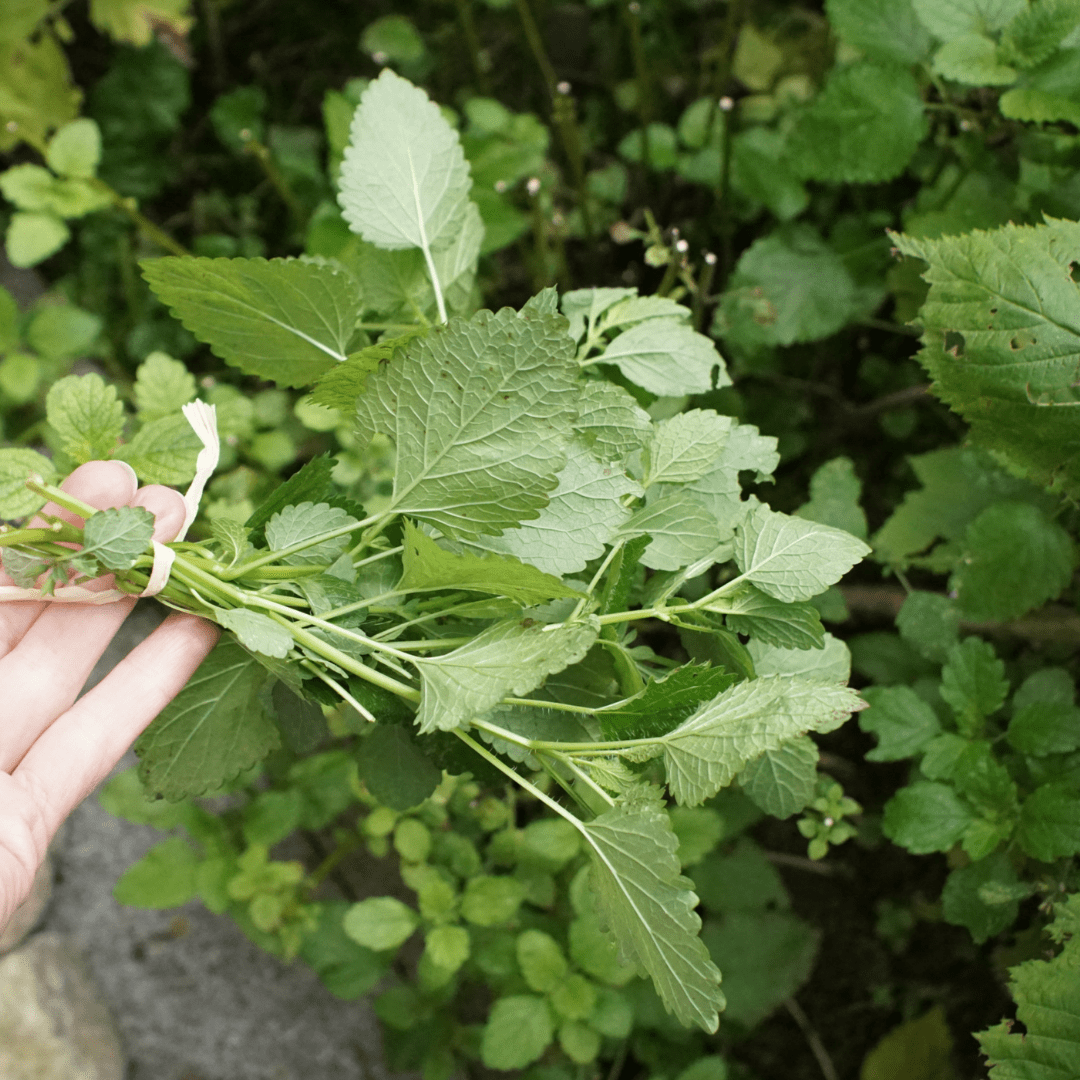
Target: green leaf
[287, 320]
[930, 623]
[163, 878]
[519, 1029]
[479, 412]
[541, 960]
[883, 29]
[163, 451]
[862, 128]
[75, 149]
[1015, 559]
[346, 969]
[583, 307]
[782, 781]
[213, 730]
[394, 769]
[961, 904]
[305, 521]
[834, 498]
[766, 956]
[86, 415]
[162, 386]
[117, 537]
[310, 484]
[1000, 344]
[583, 514]
[1047, 994]
[342, 385]
[428, 566]
[666, 357]
[32, 188]
[404, 180]
[657, 145]
[62, 331]
[973, 682]
[1038, 106]
[448, 946]
[949, 19]
[916, 1050]
[512, 657]
[973, 60]
[16, 466]
[611, 421]
[1045, 727]
[649, 907]
[491, 900]
[903, 723]
[686, 447]
[1048, 819]
[706, 751]
[699, 829]
[1034, 33]
[830, 663]
[748, 610]
[23, 569]
[743, 880]
[791, 559]
[256, 632]
[787, 287]
[682, 531]
[395, 38]
[925, 817]
[665, 703]
[380, 923]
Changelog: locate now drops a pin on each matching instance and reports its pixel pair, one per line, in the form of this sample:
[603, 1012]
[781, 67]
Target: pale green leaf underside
[16, 465]
[666, 357]
[686, 447]
[87, 416]
[782, 781]
[163, 451]
[118, 536]
[256, 632]
[611, 421]
[682, 531]
[295, 524]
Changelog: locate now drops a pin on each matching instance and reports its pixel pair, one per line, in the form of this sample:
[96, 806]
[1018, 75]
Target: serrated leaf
[213, 730]
[783, 780]
[1038, 106]
[428, 566]
[682, 531]
[518, 1030]
[834, 498]
[665, 702]
[791, 559]
[479, 411]
[949, 19]
[16, 466]
[23, 569]
[232, 538]
[404, 181]
[380, 923]
[830, 663]
[118, 536]
[974, 61]
[163, 451]
[304, 521]
[611, 421]
[162, 386]
[1048, 819]
[706, 751]
[583, 514]
[686, 447]
[903, 723]
[342, 385]
[883, 29]
[748, 610]
[583, 307]
[287, 320]
[929, 623]
[962, 905]
[973, 681]
[311, 483]
[1045, 727]
[649, 906]
[666, 357]
[165, 877]
[1033, 34]
[925, 817]
[86, 415]
[510, 657]
[394, 768]
[257, 632]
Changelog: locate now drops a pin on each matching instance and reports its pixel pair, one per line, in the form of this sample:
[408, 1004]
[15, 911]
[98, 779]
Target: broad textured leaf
[962, 905]
[583, 307]
[1045, 727]
[428, 566]
[380, 923]
[1038, 106]
[930, 623]
[295, 524]
[165, 877]
[704, 753]
[508, 658]
[479, 411]
[782, 781]
[162, 386]
[75, 149]
[213, 730]
[1048, 818]
[310, 484]
[1002, 340]
[749, 611]
[394, 769]
[404, 180]
[611, 421]
[973, 681]
[16, 466]
[834, 498]
[342, 385]
[1033, 34]
[284, 319]
[925, 817]
[584, 513]
[682, 531]
[973, 60]
[949, 19]
[33, 237]
[665, 703]
[862, 128]
[791, 559]
[686, 447]
[666, 357]
[649, 906]
[830, 663]
[903, 723]
[915, 1050]
[883, 29]
[163, 451]
[117, 537]
[86, 415]
[518, 1030]
[257, 632]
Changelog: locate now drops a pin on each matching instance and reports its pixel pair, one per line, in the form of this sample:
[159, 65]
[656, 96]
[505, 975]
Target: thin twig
[817, 1047]
[798, 862]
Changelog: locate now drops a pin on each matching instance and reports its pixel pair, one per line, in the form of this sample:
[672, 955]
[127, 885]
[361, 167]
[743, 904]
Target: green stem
[472, 41]
[585, 778]
[337, 688]
[262, 155]
[276, 556]
[151, 231]
[61, 498]
[330, 863]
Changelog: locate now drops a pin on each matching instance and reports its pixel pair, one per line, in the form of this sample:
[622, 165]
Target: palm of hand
[54, 749]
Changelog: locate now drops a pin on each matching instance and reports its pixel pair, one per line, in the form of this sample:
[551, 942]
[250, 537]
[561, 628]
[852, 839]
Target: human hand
[55, 750]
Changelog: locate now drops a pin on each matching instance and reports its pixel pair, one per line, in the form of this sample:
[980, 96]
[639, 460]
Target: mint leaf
[512, 657]
[973, 682]
[310, 484]
[518, 1030]
[583, 307]
[24, 570]
[342, 385]
[791, 559]
[428, 566]
[830, 663]
[666, 357]
[611, 421]
[1015, 559]
[903, 723]
[479, 412]
[706, 751]
[682, 531]
[649, 906]
[665, 702]
[999, 341]
[1033, 34]
[686, 447]
[862, 128]
[1045, 727]
[929, 623]
[295, 524]
[748, 610]
[1038, 106]
[962, 905]
[1048, 819]
[925, 817]
[163, 451]
[86, 415]
[117, 537]
[213, 730]
[949, 19]
[394, 769]
[883, 29]
[583, 514]
[973, 60]
[834, 498]
[165, 877]
[380, 923]
[404, 180]
[783, 780]
[346, 969]
[16, 466]
[256, 632]
[287, 320]
[162, 386]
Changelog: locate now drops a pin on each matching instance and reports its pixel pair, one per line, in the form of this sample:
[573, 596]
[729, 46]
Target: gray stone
[53, 1023]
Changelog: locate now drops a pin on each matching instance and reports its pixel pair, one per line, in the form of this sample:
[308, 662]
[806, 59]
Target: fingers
[166, 505]
[78, 751]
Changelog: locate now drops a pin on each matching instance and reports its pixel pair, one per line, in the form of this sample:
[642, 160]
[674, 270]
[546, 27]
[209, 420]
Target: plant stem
[472, 41]
[276, 556]
[817, 1047]
[261, 153]
[338, 689]
[151, 231]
